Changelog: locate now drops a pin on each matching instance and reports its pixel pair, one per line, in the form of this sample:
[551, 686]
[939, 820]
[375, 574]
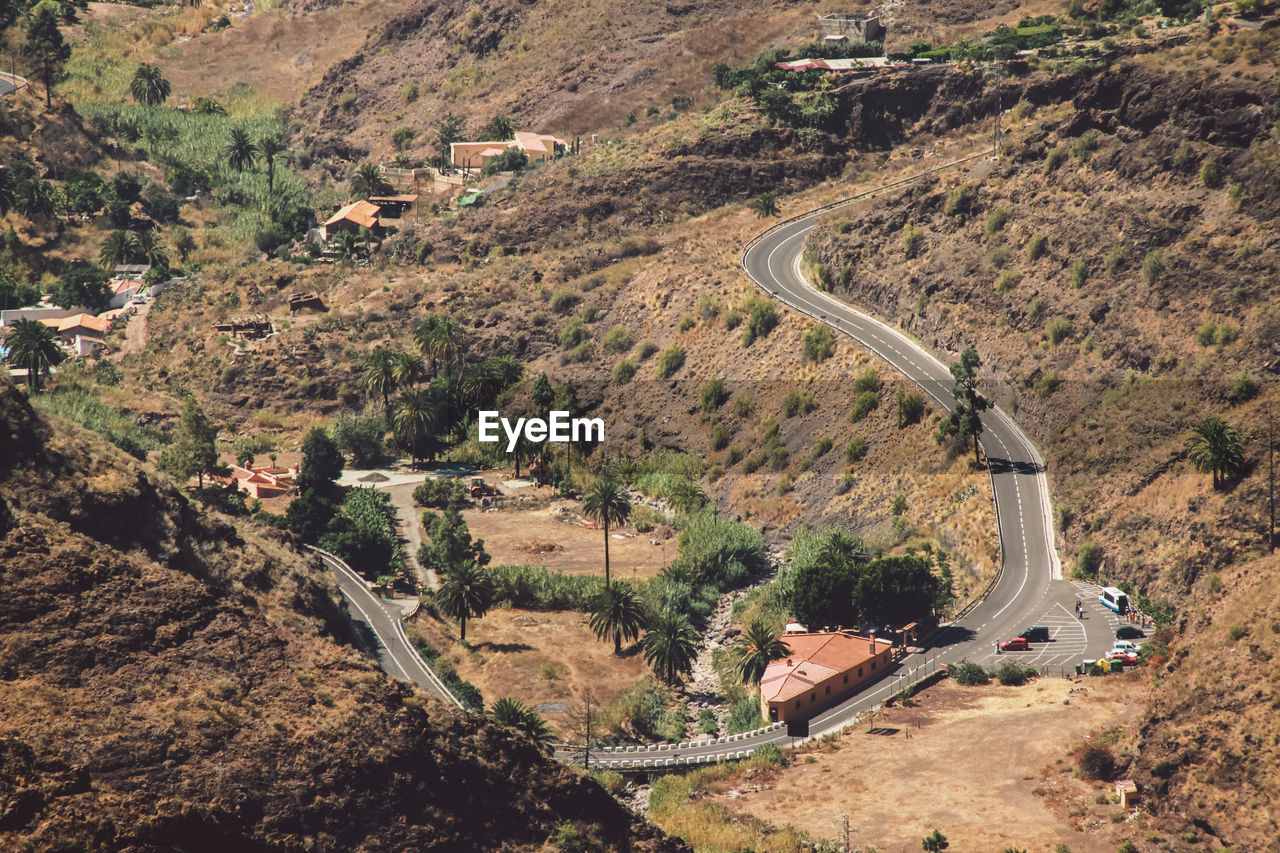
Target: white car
[1125, 646]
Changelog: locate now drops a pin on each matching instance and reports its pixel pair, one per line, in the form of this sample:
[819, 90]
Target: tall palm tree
[416, 417]
[758, 646]
[33, 346]
[465, 593]
[240, 151]
[607, 503]
[408, 369]
[151, 249]
[839, 548]
[686, 497]
[120, 247]
[619, 614]
[669, 646]
[369, 181]
[271, 147]
[440, 339]
[149, 86]
[379, 377]
[1215, 448]
[515, 714]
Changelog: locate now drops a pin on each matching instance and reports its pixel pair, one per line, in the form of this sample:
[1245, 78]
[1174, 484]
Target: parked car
[1017, 644]
[1125, 646]
[1038, 634]
[1126, 658]
[1129, 632]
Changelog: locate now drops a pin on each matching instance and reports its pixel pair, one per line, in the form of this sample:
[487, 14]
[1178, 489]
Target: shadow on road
[1004, 466]
[952, 635]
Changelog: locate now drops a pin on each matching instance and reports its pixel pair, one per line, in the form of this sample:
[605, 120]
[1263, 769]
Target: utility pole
[586, 740]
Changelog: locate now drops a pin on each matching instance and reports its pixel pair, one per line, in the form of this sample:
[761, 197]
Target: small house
[264, 482]
[352, 217]
[821, 669]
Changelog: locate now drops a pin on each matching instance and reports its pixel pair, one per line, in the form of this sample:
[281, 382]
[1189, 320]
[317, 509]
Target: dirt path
[411, 530]
[135, 332]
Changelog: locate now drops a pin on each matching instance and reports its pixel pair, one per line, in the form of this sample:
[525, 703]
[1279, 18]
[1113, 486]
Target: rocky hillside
[169, 681]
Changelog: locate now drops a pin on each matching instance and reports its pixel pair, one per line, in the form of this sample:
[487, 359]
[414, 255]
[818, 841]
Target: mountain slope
[169, 681]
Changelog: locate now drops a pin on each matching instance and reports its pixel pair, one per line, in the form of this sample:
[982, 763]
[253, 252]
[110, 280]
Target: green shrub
[823, 446]
[623, 372]
[574, 333]
[1115, 259]
[899, 505]
[1036, 247]
[868, 380]
[686, 323]
[863, 405]
[671, 360]
[761, 320]
[744, 717]
[719, 437]
[402, 137]
[1153, 266]
[580, 354]
[1007, 281]
[1057, 330]
[912, 239]
[439, 493]
[714, 395]
[1035, 309]
[968, 674]
[536, 588]
[734, 455]
[1088, 560]
[910, 407]
[1211, 173]
[856, 450]
[733, 319]
[996, 219]
[1049, 383]
[1079, 274]
[1084, 146]
[564, 301]
[1242, 388]
[1055, 158]
[819, 344]
[647, 349]
[1011, 675]
[844, 484]
[959, 200]
[617, 340]
[1236, 632]
[797, 402]
[997, 258]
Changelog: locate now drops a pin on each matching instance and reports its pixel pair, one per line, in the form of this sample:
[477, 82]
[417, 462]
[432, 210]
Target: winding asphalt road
[1029, 589]
[382, 628]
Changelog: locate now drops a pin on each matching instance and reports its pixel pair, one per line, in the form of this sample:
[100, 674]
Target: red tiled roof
[814, 658]
[359, 212]
[84, 321]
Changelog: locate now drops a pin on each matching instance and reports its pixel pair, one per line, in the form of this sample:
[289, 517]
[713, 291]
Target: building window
[846, 678]
[828, 689]
[773, 714]
[873, 666]
[859, 672]
[813, 697]
[797, 703]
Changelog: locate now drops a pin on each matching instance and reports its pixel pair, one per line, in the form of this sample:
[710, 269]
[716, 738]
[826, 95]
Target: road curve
[387, 640]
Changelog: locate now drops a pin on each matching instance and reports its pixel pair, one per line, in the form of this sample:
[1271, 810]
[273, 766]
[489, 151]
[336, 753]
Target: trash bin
[1079, 669]
[1117, 666]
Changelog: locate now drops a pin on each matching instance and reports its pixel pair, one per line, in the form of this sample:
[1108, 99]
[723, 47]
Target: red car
[1126, 658]
[1017, 644]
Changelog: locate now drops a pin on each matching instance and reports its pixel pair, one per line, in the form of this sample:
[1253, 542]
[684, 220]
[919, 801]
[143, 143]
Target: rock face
[170, 681]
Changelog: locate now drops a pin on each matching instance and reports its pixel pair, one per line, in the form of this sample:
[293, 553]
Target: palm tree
[149, 86]
[347, 245]
[240, 151]
[440, 340]
[686, 497]
[369, 181]
[514, 714]
[669, 646]
[620, 614]
[416, 417]
[408, 369]
[271, 147]
[379, 377]
[466, 593]
[758, 646]
[150, 249]
[1216, 448]
[606, 503]
[843, 549]
[766, 206]
[33, 346]
[120, 247]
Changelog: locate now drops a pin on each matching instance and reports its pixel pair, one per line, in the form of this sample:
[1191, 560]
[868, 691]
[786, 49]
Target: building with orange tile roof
[353, 217]
[82, 324]
[823, 668]
[265, 482]
[538, 147]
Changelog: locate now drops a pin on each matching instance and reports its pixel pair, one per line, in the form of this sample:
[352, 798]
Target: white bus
[1114, 599]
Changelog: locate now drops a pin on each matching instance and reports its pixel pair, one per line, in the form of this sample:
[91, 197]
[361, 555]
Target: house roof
[360, 212]
[125, 284]
[814, 658]
[539, 143]
[394, 199]
[84, 321]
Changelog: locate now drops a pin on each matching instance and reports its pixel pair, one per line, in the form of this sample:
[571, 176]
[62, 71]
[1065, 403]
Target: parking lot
[1072, 639]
